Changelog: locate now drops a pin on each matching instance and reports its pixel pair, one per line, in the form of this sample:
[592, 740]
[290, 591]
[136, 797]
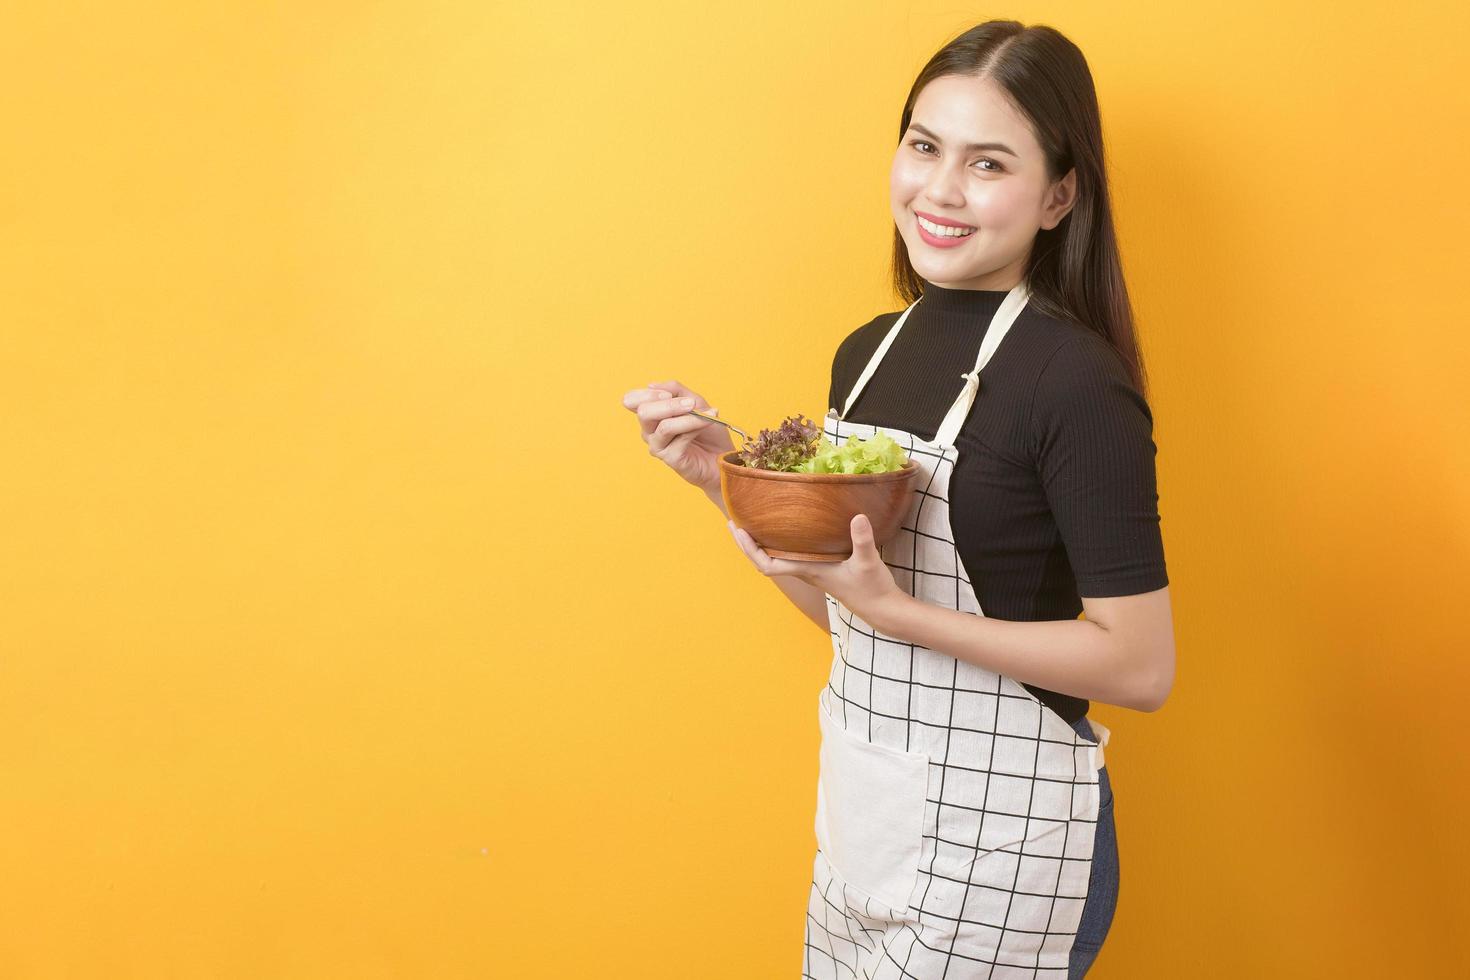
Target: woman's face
[1000, 189]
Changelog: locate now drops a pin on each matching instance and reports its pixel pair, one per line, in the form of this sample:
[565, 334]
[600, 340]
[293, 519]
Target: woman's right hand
[690, 445]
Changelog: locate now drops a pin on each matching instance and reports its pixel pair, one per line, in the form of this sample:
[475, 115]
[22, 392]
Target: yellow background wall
[349, 630]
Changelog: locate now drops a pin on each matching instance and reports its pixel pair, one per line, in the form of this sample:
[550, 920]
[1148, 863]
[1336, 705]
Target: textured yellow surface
[347, 629]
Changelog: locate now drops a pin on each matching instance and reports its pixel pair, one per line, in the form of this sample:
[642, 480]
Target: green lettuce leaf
[877, 454]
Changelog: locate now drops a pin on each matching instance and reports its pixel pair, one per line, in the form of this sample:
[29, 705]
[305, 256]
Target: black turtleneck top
[1053, 496]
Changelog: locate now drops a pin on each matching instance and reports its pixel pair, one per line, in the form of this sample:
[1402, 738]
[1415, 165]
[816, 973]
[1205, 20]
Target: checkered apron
[955, 811]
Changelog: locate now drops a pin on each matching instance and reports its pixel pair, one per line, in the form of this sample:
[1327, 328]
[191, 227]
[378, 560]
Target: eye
[997, 169]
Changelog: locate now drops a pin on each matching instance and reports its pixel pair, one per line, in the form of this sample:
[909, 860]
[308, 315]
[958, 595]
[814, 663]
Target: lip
[936, 241]
[937, 220]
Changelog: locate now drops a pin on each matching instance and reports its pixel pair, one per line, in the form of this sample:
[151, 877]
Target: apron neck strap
[872, 364]
[1000, 324]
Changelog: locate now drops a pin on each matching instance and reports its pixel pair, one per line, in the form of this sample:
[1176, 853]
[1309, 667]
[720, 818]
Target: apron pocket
[870, 812]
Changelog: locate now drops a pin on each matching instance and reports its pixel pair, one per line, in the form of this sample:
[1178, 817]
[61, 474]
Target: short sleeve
[1092, 435]
[837, 361]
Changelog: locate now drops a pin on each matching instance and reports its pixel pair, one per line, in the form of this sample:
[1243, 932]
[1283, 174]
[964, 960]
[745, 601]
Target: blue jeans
[1102, 889]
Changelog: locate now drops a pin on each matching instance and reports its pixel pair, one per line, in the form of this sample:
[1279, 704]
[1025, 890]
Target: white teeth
[944, 230]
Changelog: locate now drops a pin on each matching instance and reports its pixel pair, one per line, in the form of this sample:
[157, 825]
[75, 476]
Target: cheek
[905, 182]
[999, 206]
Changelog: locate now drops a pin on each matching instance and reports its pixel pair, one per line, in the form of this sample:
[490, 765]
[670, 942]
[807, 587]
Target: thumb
[862, 531]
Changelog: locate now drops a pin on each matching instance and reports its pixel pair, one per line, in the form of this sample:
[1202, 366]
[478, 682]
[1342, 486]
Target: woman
[964, 814]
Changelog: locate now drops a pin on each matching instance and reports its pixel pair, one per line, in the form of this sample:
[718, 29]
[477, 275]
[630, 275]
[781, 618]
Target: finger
[763, 561]
[673, 387]
[654, 410]
[676, 446]
[662, 435]
[678, 390]
[745, 542]
[747, 546]
[864, 541]
[636, 397]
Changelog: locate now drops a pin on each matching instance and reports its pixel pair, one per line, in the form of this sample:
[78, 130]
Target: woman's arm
[1122, 653]
[811, 600]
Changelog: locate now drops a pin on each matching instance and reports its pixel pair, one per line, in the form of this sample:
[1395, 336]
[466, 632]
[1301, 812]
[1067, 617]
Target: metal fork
[721, 421]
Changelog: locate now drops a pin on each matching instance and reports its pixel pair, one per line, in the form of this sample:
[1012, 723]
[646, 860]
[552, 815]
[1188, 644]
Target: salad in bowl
[795, 491]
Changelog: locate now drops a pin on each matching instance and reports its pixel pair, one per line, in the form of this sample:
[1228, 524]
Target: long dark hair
[1074, 272]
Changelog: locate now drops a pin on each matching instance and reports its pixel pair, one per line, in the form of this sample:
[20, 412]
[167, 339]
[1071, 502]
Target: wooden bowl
[808, 516]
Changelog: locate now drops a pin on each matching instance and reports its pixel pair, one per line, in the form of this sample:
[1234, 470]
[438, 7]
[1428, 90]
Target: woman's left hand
[862, 583]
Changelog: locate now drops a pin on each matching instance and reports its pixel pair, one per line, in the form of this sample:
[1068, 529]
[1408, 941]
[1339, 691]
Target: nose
[944, 187]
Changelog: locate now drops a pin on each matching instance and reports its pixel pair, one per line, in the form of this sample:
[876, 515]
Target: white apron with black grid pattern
[955, 811]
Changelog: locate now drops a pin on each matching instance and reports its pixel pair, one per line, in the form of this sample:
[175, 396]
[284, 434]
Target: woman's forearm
[811, 600]
[1069, 656]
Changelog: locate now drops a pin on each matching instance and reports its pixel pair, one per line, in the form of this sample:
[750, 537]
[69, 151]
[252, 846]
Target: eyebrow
[968, 146]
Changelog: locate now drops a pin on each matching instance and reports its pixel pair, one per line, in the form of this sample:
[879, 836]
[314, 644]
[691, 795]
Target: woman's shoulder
[1065, 349]
[863, 341]
[1051, 333]
[1084, 379]
[855, 350]
[874, 329]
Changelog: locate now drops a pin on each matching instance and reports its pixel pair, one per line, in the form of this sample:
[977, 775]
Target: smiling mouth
[936, 228]
[935, 235]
